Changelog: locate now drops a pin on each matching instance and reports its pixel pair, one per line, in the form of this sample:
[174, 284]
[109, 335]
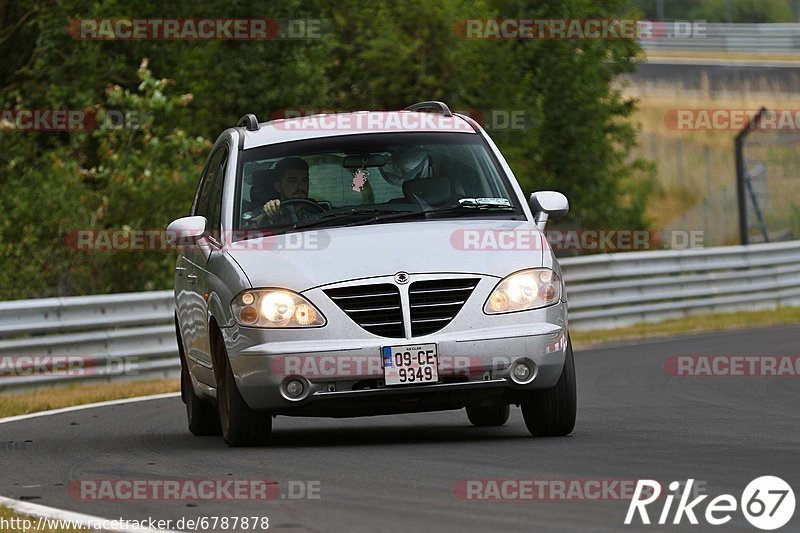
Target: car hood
[304, 260]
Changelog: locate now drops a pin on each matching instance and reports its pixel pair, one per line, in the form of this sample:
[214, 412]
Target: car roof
[353, 123]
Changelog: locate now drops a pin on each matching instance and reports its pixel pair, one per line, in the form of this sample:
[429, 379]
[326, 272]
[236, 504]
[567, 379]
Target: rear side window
[215, 195]
[209, 198]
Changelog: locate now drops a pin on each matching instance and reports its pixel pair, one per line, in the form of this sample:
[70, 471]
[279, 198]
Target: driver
[291, 182]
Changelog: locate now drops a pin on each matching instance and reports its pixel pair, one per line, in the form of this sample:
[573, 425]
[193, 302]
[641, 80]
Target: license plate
[411, 364]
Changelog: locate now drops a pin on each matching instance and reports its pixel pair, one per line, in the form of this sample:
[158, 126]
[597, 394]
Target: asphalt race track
[398, 473]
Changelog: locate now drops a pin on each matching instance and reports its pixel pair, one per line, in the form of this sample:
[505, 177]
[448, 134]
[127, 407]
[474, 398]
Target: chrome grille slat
[425, 320]
[373, 309]
[434, 303]
[376, 308]
[421, 291]
[420, 306]
[369, 295]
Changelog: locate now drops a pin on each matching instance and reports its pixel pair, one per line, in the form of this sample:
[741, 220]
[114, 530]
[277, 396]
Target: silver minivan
[368, 263]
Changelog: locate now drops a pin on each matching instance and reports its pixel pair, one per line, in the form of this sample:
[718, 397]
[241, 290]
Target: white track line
[43, 511]
[89, 406]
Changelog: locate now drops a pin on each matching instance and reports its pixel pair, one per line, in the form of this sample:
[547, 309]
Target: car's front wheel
[201, 414]
[241, 425]
[551, 412]
[485, 416]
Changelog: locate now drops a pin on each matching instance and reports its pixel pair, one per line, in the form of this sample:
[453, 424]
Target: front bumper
[341, 364]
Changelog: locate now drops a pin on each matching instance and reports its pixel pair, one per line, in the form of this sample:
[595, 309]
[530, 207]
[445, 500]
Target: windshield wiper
[465, 206]
[335, 217]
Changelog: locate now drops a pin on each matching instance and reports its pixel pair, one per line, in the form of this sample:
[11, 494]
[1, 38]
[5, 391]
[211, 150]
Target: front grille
[376, 308]
[434, 303]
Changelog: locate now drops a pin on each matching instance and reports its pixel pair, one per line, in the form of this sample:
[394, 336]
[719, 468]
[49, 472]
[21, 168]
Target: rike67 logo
[767, 502]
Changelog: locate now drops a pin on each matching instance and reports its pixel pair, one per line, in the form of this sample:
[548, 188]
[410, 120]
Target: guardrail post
[741, 171]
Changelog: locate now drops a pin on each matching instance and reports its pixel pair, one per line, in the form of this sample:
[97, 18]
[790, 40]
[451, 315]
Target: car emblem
[401, 278]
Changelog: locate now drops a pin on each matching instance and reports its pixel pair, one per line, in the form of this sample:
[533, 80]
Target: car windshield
[370, 179]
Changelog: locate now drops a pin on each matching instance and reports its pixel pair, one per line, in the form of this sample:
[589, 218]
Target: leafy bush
[380, 55]
[108, 178]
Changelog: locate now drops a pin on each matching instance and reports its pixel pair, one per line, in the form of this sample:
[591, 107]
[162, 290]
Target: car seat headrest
[263, 187]
[435, 191]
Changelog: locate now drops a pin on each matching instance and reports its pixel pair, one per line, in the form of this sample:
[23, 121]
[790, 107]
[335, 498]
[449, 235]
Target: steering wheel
[301, 208]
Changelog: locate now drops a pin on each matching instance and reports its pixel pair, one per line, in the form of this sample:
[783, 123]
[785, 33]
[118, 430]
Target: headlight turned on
[275, 308]
[527, 289]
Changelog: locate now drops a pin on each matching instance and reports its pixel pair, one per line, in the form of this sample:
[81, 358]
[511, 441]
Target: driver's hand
[272, 208]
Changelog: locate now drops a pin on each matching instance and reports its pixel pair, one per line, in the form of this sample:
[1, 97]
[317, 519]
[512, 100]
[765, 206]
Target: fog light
[523, 372]
[294, 388]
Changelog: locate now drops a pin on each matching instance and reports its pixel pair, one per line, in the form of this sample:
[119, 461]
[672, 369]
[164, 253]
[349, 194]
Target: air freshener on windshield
[360, 179]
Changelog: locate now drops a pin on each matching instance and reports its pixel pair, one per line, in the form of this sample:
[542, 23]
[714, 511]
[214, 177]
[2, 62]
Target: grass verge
[694, 166]
[20, 403]
[11, 521]
[710, 54]
[688, 325]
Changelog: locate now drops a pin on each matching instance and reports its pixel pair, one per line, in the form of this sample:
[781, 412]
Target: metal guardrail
[617, 290]
[111, 337]
[759, 38]
[126, 336]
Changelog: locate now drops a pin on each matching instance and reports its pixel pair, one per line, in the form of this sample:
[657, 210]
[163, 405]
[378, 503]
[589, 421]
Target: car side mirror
[186, 230]
[546, 204]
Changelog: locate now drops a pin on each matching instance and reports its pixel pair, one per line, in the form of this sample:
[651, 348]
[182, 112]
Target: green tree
[380, 55]
[108, 178]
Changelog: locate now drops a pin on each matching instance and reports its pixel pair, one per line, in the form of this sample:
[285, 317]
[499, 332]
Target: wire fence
[772, 179]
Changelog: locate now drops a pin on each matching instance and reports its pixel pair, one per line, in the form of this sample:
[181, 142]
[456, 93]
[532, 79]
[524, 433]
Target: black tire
[551, 412]
[486, 416]
[241, 426]
[201, 414]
